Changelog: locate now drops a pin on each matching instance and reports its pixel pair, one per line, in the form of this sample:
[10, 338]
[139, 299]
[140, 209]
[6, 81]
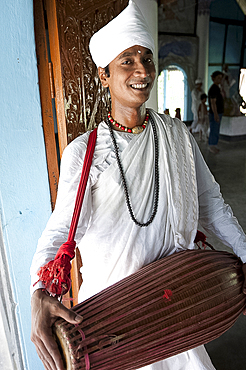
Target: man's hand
[214, 109]
[244, 284]
[216, 117]
[45, 311]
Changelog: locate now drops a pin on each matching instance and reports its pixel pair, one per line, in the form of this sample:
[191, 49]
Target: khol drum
[167, 307]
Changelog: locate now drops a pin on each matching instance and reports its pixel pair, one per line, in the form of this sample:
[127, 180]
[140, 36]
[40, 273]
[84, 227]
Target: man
[114, 243]
[216, 110]
[195, 102]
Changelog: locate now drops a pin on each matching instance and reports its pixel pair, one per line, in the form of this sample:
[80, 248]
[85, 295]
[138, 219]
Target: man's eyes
[148, 60]
[126, 62]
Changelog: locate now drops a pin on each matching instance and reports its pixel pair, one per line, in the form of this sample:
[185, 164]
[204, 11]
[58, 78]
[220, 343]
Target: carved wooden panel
[85, 101]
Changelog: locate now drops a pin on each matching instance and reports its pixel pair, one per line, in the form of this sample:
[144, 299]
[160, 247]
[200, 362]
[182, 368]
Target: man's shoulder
[167, 120]
[78, 145]
[214, 89]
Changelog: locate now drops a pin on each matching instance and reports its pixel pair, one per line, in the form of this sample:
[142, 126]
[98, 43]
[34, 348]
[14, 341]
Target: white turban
[129, 28]
[198, 81]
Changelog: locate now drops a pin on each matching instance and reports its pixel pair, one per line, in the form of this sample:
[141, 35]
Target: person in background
[166, 111]
[216, 110]
[203, 120]
[195, 101]
[177, 113]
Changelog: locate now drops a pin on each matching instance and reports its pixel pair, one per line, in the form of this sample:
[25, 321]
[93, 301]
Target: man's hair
[204, 96]
[106, 69]
[216, 73]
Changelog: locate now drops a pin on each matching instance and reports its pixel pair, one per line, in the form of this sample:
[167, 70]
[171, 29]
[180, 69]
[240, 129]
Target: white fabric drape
[111, 245]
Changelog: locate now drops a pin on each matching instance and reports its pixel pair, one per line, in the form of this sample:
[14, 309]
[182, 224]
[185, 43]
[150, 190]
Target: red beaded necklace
[134, 130]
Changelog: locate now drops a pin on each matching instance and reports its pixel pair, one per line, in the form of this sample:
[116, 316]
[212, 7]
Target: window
[172, 91]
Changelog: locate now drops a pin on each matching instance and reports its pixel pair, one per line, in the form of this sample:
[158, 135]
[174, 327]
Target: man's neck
[129, 117]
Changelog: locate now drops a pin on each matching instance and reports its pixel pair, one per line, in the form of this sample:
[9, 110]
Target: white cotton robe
[111, 245]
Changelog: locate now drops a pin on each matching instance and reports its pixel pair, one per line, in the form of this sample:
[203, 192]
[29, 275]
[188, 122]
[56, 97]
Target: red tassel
[55, 275]
[200, 237]
[167, 294]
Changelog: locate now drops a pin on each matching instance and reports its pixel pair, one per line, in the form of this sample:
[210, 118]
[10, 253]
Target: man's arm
[46, 309]
[214, 215]
[57, 228]
[214, 109]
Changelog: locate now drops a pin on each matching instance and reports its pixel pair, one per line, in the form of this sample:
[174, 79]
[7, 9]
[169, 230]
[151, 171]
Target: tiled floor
[229, 169]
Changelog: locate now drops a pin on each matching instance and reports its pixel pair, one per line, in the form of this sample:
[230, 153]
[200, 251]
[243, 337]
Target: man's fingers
[54, 359]
[48, 352]
[69, 315]
[44, 355]
[45, 311]
[43, 359]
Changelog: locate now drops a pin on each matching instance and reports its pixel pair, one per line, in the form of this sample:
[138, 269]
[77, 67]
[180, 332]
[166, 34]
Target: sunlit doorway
[172, 91]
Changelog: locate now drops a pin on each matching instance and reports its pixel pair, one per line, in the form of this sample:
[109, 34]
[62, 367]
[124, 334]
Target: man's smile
[139, 86]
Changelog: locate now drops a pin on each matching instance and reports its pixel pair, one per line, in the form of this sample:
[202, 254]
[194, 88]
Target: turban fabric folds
[129, 28]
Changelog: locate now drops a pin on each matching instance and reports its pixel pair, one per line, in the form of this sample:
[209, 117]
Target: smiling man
[148, 187]
[130, 81]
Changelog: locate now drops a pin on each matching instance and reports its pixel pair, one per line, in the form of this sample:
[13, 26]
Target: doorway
[173, 91]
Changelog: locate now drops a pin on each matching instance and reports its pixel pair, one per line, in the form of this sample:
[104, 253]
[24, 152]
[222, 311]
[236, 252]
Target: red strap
[82, 184]
[55, 275]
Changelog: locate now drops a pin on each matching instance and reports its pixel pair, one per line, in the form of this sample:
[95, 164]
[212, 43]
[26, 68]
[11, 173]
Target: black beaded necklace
[156, 186]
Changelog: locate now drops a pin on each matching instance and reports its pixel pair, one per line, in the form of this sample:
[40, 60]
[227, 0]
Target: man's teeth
[139, 86]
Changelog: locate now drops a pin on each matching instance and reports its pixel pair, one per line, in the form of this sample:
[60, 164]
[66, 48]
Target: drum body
[167, 307]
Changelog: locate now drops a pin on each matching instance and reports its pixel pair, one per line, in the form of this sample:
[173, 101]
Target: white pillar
[149, 9]
[202, 31]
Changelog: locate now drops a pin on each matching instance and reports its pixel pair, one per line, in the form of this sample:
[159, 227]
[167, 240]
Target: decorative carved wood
[85, 101]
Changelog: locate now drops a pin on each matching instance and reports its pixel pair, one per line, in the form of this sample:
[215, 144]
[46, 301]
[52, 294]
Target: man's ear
[103, 77]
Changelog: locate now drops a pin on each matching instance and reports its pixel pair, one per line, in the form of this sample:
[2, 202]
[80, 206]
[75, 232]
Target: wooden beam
[45, 97]
[46, 91]
[57, 71]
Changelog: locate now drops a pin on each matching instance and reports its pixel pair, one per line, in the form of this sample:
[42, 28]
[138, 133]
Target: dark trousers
[214, 129]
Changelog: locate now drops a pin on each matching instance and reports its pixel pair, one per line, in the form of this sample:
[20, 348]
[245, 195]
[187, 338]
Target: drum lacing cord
[86, 355]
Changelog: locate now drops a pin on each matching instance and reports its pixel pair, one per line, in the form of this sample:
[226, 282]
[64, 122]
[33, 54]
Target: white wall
[24, 190]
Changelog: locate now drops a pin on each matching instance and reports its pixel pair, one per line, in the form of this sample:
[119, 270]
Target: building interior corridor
[229, 170]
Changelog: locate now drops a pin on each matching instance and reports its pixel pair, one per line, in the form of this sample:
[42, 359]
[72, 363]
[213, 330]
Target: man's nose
[141, 69]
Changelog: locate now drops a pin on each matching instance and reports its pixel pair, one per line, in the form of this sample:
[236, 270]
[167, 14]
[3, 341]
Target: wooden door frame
[50, 86]
[50, 7]
[45, 89]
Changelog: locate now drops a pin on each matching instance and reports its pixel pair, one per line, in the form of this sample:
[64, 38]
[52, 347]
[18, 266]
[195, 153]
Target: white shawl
[113, 246]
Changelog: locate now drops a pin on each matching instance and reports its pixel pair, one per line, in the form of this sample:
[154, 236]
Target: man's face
[132, 75]
[199, 86]
[217, 80]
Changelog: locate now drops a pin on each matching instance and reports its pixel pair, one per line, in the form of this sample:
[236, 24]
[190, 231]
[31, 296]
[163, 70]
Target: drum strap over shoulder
[55, 275]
